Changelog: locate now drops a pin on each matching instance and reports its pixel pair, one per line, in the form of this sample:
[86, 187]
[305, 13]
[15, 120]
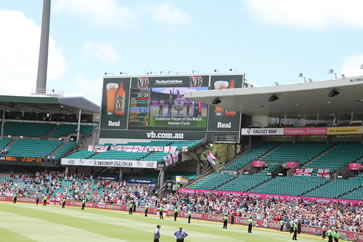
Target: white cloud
[101, 13]
[170, 15]
[311, 14]
[351, 66]
[90, 89]
[103, 51]
[19, 48]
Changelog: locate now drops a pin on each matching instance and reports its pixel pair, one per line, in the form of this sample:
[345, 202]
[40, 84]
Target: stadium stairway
[9, 144]
[320, 155]
[59, 148]
[49, 133]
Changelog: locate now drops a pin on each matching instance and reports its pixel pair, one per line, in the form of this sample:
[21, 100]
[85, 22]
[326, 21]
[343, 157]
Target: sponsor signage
[140, 181]
[292, 164]
[257, 131]
[354, 166]
[305, 131]
[258, 163]
[154, 107]
[345, 130]
[108, 163]
[302, 131]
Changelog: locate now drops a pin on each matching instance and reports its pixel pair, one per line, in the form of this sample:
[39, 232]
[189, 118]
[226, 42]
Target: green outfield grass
[28, 222]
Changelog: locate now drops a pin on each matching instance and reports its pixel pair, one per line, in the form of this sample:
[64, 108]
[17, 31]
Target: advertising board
[154, 107]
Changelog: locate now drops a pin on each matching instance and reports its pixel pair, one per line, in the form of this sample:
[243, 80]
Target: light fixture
[276, 83]
[108, 73]
[273, 98]
[361, 66]
[331, 71]
[215, 70]
[343, 76]
[121, 73]
[309, 80]
[217, 100]
[333, 93]
[302, 76]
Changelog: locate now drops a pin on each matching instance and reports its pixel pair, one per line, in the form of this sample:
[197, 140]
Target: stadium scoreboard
[154, 107]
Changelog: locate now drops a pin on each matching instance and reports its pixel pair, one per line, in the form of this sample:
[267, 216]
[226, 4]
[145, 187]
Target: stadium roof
[47, 104]
[295, 99]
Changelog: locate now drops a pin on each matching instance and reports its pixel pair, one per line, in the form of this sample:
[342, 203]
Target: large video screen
[166, 107]
[155, 107]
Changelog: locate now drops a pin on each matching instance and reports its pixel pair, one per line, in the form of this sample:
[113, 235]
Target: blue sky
[270, 40]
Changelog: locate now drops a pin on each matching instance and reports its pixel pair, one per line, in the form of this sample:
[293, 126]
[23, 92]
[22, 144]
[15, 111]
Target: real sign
[268, 131]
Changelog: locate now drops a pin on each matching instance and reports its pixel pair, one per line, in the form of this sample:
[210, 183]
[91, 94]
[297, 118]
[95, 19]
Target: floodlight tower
[43, 50]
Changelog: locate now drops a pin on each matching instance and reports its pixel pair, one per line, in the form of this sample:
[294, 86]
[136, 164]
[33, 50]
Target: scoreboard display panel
[132, 106]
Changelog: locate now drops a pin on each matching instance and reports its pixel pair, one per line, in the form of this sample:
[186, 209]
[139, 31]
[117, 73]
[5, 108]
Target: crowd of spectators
[57, 185]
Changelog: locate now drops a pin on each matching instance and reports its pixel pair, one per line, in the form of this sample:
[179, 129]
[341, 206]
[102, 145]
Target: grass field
[28, 222]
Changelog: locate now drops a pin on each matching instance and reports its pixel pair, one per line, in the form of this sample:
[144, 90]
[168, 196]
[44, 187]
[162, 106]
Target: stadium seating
[250, 156]
[26, 129]
[337, 158]
[244, 183]
[67, 129]
[4, 143]
[336, 188]
[212, 181]
[156, 156]
[354, 195]
[294, 186]
[301, 152]
[82, 154]
[33, 148]
[66, 148]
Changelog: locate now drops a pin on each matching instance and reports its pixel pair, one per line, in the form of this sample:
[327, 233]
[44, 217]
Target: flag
[212, 159]
[171, 158]
[98, 148]
[304, 172]
[324, 173]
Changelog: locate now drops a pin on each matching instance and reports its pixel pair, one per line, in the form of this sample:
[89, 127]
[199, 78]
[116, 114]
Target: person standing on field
[146, 209]
[64, 202]
[130, 210]
[45, 200]
[295, 229]
[189, 216]
[323, 229]
[250, 225]
[225, 222]
[175, 213]
[83, 203]
[161, 213]
[330, 235]
[180, 235]
[15, 197]
[336, 236]
[157, 233]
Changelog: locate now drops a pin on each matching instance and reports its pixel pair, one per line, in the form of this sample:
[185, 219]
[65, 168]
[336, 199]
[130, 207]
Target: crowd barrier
[358, 237]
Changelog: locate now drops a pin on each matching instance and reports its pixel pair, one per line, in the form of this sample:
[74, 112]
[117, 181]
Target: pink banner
[268, 196]
[306, 131]
[354, 166]
[202, 216]
[258, 163]
[292, 164]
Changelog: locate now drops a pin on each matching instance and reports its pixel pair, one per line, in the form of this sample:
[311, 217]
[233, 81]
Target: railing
[48, 92]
